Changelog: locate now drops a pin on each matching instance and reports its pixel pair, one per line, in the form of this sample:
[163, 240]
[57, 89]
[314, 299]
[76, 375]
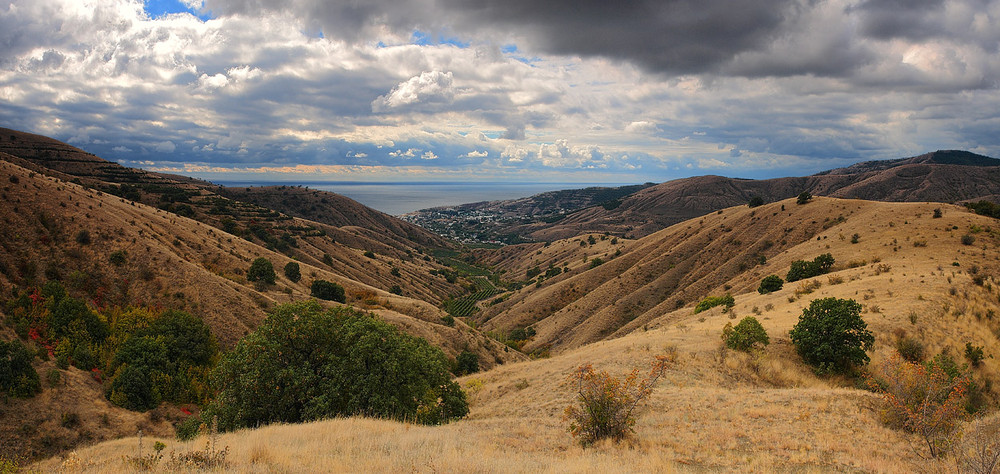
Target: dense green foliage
[262, 271]
[802, 269]
[292, 272]
[755, 201]
[713, 301]
[745, 335]
[148, 355]
[984, 208]
[306, 363]
[831, 336]
[17, 377]
[770, 283]
[466, 363]
[329, 291]
[803, 198]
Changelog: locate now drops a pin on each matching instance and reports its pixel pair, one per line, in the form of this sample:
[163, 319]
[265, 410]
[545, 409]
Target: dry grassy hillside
[175, 262]
[942, 176]
[715, 409]
[726, 251]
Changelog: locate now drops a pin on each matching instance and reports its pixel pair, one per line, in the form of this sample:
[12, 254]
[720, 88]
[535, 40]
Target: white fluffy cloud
[800, 88]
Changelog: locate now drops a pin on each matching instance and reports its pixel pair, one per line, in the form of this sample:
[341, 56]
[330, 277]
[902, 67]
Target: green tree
[17, 377]
[262, 271]
[306, 363]
[770, 283]
[466, 363]
[755, 201]
[831, 336]
[326, 290]
[292, 272]
[803, 198]
[745, 335]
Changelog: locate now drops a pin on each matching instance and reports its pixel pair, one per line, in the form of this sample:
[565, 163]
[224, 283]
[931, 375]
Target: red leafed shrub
[921, 398]
[606, 405]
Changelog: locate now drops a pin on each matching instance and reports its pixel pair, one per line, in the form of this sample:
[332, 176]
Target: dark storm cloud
[911, 19]
[677, 36]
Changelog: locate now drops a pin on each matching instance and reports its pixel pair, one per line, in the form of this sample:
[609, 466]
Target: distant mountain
[941, 176]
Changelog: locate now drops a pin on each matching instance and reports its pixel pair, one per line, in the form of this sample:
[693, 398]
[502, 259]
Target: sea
[397, 198]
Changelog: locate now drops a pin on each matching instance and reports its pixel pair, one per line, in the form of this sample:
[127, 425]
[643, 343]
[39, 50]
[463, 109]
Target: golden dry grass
[714, 409]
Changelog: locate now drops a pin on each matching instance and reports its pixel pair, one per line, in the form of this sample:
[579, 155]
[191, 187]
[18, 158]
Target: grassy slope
[173, 262]
[715, 409]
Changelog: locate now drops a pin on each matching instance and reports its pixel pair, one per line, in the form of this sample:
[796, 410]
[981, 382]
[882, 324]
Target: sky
[512, 90]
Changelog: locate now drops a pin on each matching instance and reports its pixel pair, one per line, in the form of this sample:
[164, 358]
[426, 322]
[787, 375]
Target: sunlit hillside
[715, 408]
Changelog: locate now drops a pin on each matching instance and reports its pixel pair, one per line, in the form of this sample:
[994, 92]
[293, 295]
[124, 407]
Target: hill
[715, 409]
[115, 251]
[942, 176]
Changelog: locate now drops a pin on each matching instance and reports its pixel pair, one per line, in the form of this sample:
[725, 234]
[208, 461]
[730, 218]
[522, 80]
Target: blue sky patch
[159, 8]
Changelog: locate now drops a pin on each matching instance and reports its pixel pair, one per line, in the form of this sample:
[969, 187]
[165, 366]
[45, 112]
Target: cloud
[782, 86]
[166, 147]
[428, 87]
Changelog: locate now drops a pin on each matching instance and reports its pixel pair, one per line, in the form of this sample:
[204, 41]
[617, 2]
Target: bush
[261, 270]
[713, 301]
[978, 450]
[396, 290]
[910, 349]
[83, 237]
[305, 363]
[118, 258]
[329, 291]
[466, 363]
[605, 405]
[745, 335]
[770, 283]
[17, 377]
[922, 399]
[968, 239]
[831, 336]
[974, 354]
[133, 389]
[292, 272]
[803, 198]
[755, 201]
[802, 269]
[937, 213]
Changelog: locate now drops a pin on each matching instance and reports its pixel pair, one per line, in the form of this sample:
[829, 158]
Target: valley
[611, 277]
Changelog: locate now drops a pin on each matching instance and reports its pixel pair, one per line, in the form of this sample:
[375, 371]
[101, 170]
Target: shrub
[974, 354]
[910, 349]
[968, 239]
[132, 389]
[937, 213]
[466, 363]
[262, 271]
[802, 269]
[605, 405]
[745, 335]
[396, 290]
[596, 262]
[83, 237]
[770, 283]
[831, 336]
[292, 272]
[922, 399]
[755, 201]
[713, 301]
[803, 198]
[17, 377]
[305, 363]
[329, 291]
[118, 258]
[370, 254]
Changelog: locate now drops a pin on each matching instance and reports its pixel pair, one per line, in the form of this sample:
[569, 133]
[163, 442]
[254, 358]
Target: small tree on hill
[922, 399]
[770, 283]
[831, 336]
[326, 290]
[755, 201]
[307, 363]
[606, 404]
[745, 335]
[261, 271]
[466, 363]
[804, 197]
[292, 272]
